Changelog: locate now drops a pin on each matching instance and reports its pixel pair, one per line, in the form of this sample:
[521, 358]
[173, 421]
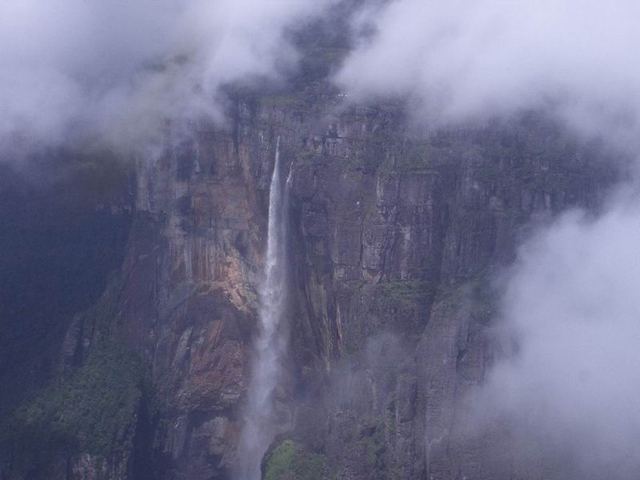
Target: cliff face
[394, 234]
[65, 220]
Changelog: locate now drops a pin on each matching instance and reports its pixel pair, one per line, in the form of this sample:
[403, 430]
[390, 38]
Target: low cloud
[468, 60]
[115, 70]
[571, 308]
[570, 304]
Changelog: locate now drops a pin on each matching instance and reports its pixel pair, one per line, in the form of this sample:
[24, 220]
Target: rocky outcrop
[398, 235]
[394, 232]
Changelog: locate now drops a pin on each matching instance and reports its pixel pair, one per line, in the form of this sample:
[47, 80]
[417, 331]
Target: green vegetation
[62, 239]
[373, 439]
[392, 306]
[90, 408]
[289, 461]
[280, 460]
[91, 412]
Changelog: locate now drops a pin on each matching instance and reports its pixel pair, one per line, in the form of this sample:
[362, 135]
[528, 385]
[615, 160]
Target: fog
[568, 380]
[571, 308]
[469, 59]
[115, 70]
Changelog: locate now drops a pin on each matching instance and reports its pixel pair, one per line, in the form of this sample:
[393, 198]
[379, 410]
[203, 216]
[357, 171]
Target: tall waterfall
[259, 427]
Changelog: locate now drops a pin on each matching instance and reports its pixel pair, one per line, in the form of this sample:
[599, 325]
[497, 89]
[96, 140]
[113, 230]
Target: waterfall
[270, 345]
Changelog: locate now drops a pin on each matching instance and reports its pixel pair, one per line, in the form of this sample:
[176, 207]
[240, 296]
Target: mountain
[128, 310]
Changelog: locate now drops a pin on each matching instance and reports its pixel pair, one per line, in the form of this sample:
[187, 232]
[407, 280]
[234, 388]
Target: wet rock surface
[395, 232]
[394, 235]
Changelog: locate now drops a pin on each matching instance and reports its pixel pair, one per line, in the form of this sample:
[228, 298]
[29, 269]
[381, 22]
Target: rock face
[65, 220]
[394, 233]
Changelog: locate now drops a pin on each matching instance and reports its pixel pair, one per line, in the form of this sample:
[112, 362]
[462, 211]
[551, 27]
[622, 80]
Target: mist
[469, 60]
[115, 71]
[570, 307]
[567, 383]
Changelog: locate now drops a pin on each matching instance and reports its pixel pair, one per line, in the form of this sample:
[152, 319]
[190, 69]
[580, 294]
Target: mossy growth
[379, 461]
[289, 461]
[92, 411]
[90, 408]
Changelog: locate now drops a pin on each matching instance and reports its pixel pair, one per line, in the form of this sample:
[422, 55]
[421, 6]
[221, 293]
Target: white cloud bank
[572, 301]
[467, 59]
[115, 68]
[572, 304]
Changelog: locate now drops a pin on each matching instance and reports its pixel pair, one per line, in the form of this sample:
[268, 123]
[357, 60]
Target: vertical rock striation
[391, 234]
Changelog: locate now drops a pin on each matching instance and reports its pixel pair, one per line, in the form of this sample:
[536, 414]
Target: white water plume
[271, 343]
